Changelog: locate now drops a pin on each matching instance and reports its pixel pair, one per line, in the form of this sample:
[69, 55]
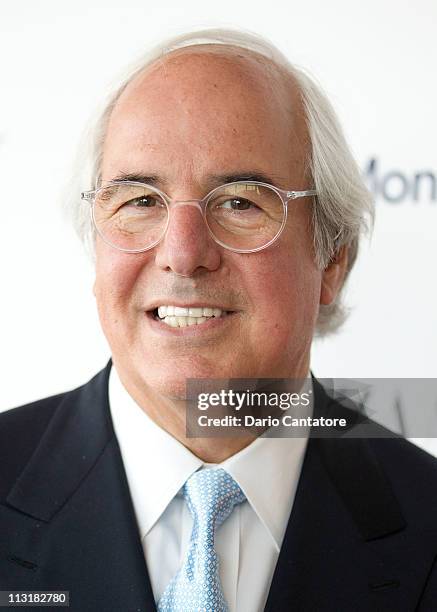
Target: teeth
[183, 321]
[179, 316]
[169, 311]
[195, 312]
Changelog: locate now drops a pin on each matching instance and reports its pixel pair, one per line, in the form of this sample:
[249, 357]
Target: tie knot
[211, 495]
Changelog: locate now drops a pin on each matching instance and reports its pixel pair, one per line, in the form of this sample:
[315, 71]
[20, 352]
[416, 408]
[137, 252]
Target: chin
[173, 386]
[172, 389]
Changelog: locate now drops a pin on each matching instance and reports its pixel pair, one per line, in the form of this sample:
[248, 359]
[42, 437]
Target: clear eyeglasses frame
[285, 196]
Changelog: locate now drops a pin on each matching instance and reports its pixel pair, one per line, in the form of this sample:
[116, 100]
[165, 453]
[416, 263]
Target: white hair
[343, 209]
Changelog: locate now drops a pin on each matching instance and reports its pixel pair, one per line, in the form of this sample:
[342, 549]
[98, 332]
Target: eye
[149, 201]
[238, 204]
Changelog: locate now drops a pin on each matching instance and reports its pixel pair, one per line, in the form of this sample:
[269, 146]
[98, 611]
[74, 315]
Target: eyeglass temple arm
[293, 195]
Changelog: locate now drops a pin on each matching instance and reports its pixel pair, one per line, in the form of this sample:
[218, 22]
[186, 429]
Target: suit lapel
[346, 546]
[75, 523]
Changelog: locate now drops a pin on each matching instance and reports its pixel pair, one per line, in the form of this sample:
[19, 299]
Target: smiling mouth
[179, 316]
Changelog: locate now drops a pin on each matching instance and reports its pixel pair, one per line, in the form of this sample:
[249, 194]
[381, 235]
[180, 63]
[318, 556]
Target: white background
[375, 59]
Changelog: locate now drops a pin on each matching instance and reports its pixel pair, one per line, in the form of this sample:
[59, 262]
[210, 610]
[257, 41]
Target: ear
[333, 276]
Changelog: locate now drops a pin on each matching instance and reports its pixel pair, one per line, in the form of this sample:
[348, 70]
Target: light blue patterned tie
[211, 494]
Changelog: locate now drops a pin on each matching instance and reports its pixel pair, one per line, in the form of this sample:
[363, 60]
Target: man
[227, 212]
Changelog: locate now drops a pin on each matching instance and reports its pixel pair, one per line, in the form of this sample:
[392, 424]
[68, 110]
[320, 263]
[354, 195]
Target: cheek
[116, 275]
[285, 296]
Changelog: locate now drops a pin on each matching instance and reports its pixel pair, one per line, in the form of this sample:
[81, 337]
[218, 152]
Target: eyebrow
[212, 180]
[260, 177]
[150, 179]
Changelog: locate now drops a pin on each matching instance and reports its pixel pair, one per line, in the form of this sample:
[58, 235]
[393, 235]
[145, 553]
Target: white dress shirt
[248, 542]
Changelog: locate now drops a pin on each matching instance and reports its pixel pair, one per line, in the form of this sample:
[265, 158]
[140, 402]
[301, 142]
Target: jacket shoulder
[403, 462]
[27, 421]
[408, 466]
[21, 429]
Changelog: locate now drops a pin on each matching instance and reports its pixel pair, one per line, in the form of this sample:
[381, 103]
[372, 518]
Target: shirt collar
[157, 466]
[268, 471]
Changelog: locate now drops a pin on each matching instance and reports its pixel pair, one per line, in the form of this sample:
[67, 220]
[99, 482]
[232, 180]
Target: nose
[187, 247]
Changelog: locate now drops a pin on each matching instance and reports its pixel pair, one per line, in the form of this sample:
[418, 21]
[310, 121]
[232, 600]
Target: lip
[210, 326]
[155, 304]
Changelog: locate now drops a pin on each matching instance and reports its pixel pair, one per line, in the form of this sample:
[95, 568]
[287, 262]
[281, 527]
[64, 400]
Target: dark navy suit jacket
[362, 534]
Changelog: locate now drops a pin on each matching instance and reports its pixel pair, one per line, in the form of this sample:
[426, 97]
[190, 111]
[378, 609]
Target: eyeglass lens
[240, 215]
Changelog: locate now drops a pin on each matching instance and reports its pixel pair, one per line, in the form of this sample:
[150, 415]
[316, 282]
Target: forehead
[208, 102]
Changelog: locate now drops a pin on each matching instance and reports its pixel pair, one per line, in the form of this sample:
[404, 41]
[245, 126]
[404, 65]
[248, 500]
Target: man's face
[197, 116]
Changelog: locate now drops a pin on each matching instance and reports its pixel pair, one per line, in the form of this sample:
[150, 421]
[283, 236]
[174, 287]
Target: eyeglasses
[244, 217]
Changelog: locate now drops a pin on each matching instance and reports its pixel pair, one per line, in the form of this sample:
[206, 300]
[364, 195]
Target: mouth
[187, 316]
